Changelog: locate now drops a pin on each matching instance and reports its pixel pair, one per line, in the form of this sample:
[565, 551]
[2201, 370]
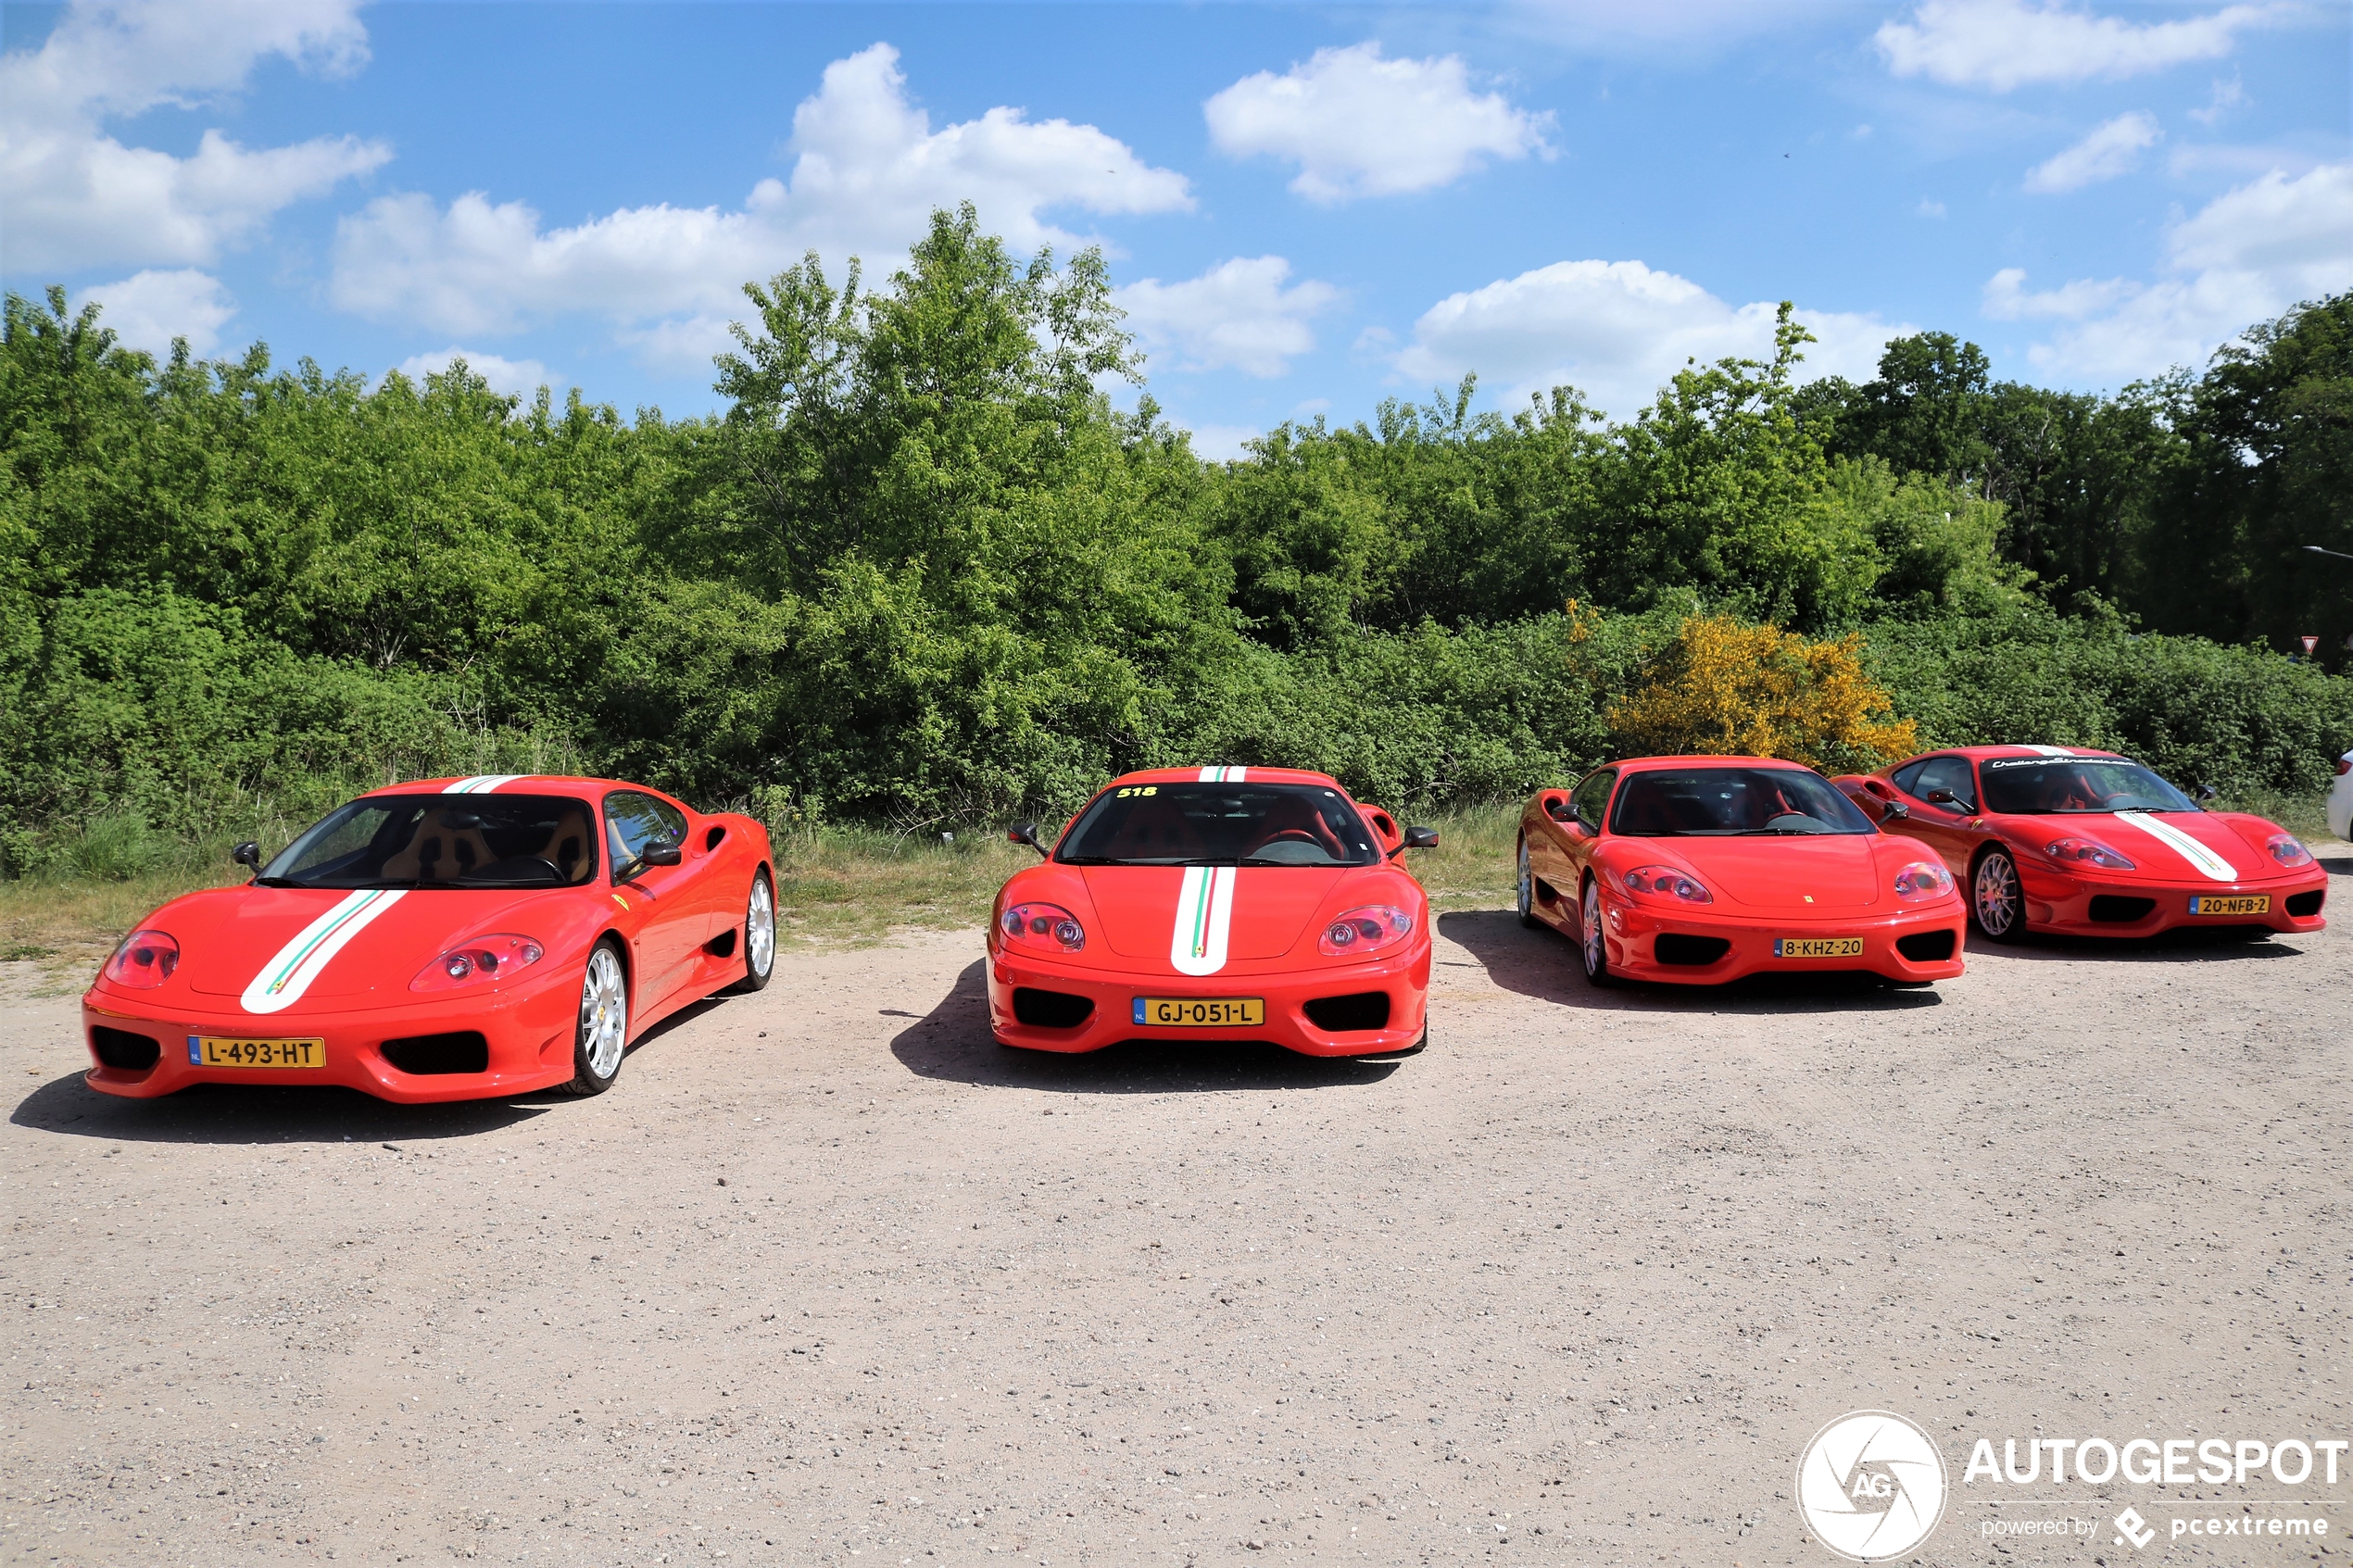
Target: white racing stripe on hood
[481, 784]
[2207, 862]
[2051, 750]
[1223, 776]
[1204, 911]
[285, 977]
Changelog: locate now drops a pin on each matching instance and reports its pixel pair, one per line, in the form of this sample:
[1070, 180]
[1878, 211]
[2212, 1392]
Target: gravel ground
[830, 1278]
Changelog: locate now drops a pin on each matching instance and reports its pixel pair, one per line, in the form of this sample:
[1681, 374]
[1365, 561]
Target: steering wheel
[1290, 835]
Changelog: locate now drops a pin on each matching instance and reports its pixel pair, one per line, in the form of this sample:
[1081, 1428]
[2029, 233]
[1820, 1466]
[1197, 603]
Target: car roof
[1707, 761]
[515, 783]
[1979, 753]
[1205, 775]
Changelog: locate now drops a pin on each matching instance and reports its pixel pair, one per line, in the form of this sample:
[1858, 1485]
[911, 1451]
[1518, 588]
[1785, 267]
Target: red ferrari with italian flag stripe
[447, 939]
[1216, 903]
[2064, 838]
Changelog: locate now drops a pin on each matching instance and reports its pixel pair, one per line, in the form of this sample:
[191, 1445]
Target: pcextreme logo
[1871, 1485]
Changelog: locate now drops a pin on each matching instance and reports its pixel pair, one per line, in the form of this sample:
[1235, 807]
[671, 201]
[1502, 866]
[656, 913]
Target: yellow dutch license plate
[214, 1050]
[1818, 947]
[1194, 1013]
[2230, 903]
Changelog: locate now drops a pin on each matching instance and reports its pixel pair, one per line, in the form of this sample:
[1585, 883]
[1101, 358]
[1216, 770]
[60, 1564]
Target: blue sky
[1307, 208]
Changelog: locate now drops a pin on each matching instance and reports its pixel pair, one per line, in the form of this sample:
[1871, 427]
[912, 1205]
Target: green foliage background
[923, 572]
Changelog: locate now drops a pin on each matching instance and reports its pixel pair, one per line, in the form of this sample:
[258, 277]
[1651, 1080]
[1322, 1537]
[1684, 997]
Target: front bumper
[1404, 980]
[2087, 906]
[1632, 932]
[528, 1029]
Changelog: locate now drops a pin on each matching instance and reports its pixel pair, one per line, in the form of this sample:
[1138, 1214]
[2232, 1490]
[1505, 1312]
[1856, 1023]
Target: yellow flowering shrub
[1725, 689]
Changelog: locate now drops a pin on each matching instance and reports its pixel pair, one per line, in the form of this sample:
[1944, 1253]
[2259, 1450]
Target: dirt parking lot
[829, 1278]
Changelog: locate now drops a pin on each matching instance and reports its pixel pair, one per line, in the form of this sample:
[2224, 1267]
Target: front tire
[1593, 948]
[759, 934]
[1997, 904]
[1527, 890]
[601, 1035]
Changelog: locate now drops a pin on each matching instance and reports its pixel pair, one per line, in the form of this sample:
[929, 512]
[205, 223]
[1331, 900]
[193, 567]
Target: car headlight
[484, 957]
[1364, 931]
[1665, 882]
[144, 960]
[2288, 849]
[2087, 852]
[1923, 879]
[1044, 927]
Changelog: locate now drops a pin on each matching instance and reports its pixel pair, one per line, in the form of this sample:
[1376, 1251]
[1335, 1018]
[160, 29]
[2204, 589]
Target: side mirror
[1421, 838]
[661, 855]
[1896, 808]
[1943, 797]
[2206, 792]
[1026, 832]
[247, 854]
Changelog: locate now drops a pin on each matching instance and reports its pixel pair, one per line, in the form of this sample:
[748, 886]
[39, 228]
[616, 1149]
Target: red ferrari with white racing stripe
[1216, 903]
[2066, 839]
[445, 939]
[1701, 870]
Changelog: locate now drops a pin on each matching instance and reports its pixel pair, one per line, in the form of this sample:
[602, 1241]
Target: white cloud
[1929, 208]
[867, 173]
[2005, 43]
[1616, 331]
[2243, 257]
[2114, 147]
[148, 310]
[76, 196]
[513, 377]
[1222, 443]
[1237, 313]
[2225, 96]
[2006, 297]
[1358, 125]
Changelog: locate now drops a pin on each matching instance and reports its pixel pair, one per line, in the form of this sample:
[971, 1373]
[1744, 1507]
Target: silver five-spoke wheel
[1995, 898]
[1526, 888]
[1593, 946]
[760, 934]
[603, 1031]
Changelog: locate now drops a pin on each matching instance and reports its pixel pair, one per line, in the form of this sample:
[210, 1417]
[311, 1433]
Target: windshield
[1728, 802]
[2048, 785]
[444, 840]
[1219, 824]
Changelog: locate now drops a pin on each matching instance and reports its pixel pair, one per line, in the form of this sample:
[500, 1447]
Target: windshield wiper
[278, 881]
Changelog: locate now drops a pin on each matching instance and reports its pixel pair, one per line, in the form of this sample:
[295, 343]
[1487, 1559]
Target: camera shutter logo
[1871, 1485]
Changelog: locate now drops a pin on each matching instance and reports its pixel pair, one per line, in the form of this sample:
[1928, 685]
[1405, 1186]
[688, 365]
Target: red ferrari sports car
[1707, 869]
[447, 939]
[1216, 903]
[2063, 839]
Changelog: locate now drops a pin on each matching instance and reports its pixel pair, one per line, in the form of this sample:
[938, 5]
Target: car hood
[1817, 872]
[2190, 846]
[267, 942]
[1271, 905]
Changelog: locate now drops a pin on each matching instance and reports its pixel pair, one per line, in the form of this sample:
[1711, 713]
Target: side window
[634, 820]
[1907, 778]
[1948, 773]
[1592, 796]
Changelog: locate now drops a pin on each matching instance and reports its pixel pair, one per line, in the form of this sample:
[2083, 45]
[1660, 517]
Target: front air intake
[1356, 1012]
[2304, 906]
[1681, 947]
[1050, 1010]
[1926, 946]
[432, 1056]
[120, 1047]
[2114, 909]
